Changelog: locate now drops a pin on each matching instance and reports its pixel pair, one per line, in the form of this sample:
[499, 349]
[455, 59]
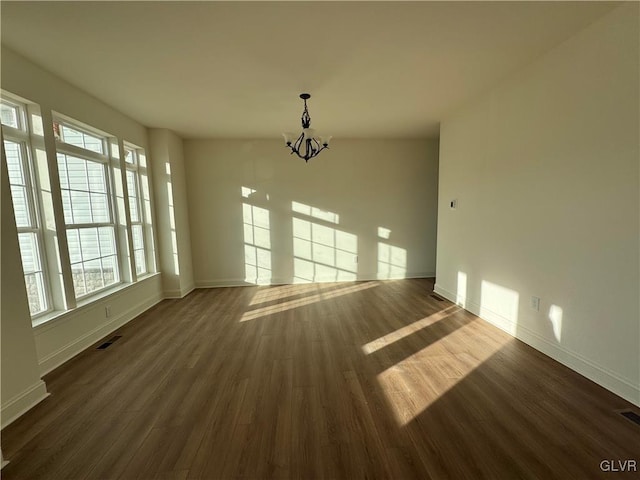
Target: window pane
[141, 266]
[80, 206]
[138, 242]
[93, 255]
[93, 275]
[66, 207]
[145, 186]
[33, 278]
[73, 240]
[84, 190]
[80, 139]
[100, 208]
[29, 252]
[147, 211]
[133, 210]
[33, 282]
[132, 191]
[130, 156]
[109, 270]
[15, 167]
[89, 244]
[62, 170]
[78, 279]
[77, 173]
[9, 115]
[107, 241]
[20, 206]
[95, 172]
[131, 183]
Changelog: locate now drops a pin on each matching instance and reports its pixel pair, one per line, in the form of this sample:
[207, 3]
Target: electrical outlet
[453, 204]
[535, 303]
[107, 311]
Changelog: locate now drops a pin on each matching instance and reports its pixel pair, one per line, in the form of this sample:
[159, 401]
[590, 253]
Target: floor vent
[437, 297]
[108, 343]
[633, 416]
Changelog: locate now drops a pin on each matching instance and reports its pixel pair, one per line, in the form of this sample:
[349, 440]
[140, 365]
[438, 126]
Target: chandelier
[308, 144]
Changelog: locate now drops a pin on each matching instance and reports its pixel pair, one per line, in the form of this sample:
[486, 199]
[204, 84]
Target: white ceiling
[235, 69]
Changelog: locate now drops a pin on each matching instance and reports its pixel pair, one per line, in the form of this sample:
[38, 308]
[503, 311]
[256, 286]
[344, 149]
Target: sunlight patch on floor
[408, 330]
[301, 302]
[433, 369]
[269, 293]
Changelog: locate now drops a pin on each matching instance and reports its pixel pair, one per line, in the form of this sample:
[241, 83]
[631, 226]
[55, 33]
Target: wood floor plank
[375, 380]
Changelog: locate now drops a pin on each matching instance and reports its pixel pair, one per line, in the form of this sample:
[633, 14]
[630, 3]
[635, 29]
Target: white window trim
[105, 160]
[22, 136]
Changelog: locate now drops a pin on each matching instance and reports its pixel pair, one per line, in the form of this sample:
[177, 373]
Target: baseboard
[179, 293]
[573, 360]
[21, 403]
[67, 352]
[172, 294]
[186, 291]
[234, 282]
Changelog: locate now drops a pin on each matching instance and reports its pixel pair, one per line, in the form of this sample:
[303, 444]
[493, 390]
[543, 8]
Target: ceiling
[235, 69]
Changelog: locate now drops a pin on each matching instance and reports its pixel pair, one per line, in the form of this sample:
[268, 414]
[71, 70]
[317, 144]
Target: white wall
[174, 242]
[367, 184]
[71, 332]
[546, 172]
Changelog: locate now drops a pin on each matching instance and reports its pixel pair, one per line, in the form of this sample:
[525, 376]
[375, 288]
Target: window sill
[48, 319]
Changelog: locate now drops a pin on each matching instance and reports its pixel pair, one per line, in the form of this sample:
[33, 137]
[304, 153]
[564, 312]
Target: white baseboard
[575, 361]
[235, 282]
[179, 293]
[23, 402]
[70, 350]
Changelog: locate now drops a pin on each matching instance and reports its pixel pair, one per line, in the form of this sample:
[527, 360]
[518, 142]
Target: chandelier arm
[316, 147]
[298, 142]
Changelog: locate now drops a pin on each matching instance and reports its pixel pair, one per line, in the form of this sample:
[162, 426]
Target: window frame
[22, 136]
[105, 161]
[142, 221]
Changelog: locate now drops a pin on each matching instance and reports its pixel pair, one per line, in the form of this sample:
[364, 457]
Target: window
[83, 166]
[79, 187]
[138, 192]
[17, 146]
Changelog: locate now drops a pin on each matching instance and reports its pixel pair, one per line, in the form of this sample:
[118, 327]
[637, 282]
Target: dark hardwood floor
[375, 380]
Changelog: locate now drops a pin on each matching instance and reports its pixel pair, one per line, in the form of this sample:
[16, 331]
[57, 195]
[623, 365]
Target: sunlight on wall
[555, 315]
[461, 296]
[321, 253]
[172, 221]
[301, 302]
[257, 241]
[315, 212]
[500, 305]
[392, 262]
[246, 191]
[384, 233]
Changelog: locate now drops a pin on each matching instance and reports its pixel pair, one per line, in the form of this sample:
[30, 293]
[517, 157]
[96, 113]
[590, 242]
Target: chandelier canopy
[308, 144]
